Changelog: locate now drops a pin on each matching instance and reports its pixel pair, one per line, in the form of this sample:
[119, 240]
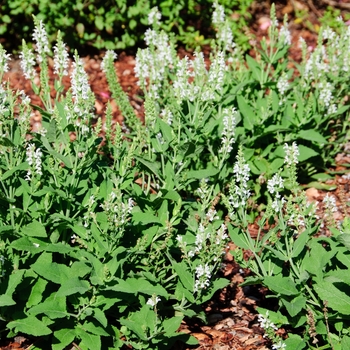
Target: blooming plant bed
[113, 231]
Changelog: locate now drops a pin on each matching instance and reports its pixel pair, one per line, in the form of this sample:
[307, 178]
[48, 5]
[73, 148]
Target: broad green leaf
[6, 300]
[34, 229]
[36, 294]
[44, 267]
[237, 237]
[134, 327]
[100, 317]
[65, 337]
[166, 130]
[98, 237]
[281, 285]
[181, 292]
[254, 68]
[150, 165]
[72, 286]
[97, 330]
[300, 243]
[294, 342]
[171, 325]
[335, 298]
[29, 325]
[320, 186]
[28, 244]
[88, 341]
[144, 218]
[344, 239]
[14, 280]
[202, 174]
[66, 161]
[185, 276]
[139, 285]
[247, 113]
[306, 153]
[295, 305]
[312, 135]
[54, 307]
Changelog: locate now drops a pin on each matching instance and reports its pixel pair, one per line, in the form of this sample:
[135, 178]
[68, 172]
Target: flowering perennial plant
[119, 229]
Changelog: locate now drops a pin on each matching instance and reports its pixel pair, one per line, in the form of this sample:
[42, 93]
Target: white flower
[60, 60]
[282, 84]
[154, 16]
[110, 56]
[27, 61]
[326, 93]
[4, 57]
[265, 322]
[279, 345]
[79, 81]
[40, 37]
[228, 131]
[218, 14]
[203, 275]
[275, 184]
[330, 203]
[153, 301]
[211, 215]
[284, 35]
[292, 153]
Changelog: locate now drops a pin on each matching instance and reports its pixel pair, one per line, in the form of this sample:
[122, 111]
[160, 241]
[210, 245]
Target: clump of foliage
[115, 24]
[111, 235]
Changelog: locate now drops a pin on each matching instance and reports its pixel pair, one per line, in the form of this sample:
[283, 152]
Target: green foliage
[115, 24]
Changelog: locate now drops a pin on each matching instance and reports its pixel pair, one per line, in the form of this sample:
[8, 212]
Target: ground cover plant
[112, 234]
[117, 24]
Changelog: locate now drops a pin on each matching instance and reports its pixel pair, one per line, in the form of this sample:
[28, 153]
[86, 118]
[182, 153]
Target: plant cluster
[116, 24]
[111, 235]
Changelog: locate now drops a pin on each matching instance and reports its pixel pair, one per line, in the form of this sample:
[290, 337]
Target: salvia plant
[112, 234]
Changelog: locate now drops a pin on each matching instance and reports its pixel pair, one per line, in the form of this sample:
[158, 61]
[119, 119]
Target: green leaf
[254, 68]
[6, 300]
[306, 153]
[166, 130]
[97, 330]
[238, 237]
[100, 317]
[281, 285]
[139, 285]
[72, 286]
[185, 276]
[29, 325]
[65, 337]
[247, 112]
[36, 294]
[89, 341]
[27, 244]
[54, 307]
[14, 280]
[295, 305]
[44, 267]
[202, 174]
[335, 298]
[135, 327]
[34, 229]
[294, 342]
[312, 135]
[300, 243]
[171, 325]
[150, 165]
[144, 218]
[344, 239]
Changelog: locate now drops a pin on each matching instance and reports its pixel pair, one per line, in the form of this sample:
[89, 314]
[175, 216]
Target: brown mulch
[232, 319]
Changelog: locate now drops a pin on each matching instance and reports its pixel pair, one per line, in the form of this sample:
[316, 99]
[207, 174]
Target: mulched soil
[232, 319]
